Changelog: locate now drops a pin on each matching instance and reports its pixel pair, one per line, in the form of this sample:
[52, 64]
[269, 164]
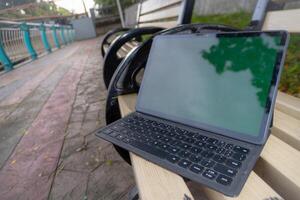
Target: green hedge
[290, 80]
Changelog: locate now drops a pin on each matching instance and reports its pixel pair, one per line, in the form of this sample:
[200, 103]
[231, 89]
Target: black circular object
[111, 59]
[106, 39]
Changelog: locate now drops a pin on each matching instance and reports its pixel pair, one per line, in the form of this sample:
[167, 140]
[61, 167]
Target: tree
[124, 3]
[11, 3]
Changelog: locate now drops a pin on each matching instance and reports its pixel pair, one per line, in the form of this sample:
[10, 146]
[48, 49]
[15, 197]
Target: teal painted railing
[23, 41]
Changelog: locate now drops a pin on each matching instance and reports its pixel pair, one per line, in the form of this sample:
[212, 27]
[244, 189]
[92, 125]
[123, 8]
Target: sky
[75, 5]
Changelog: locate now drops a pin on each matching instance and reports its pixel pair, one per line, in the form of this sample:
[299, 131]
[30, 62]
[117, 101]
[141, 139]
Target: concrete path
[47, 110]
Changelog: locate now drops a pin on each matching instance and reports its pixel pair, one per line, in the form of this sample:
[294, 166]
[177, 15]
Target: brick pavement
[47, 151]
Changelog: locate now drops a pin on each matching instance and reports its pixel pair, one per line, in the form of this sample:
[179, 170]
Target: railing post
[26, 34]
[67, 35]
[44, 38]
[8, 65]
[54, 34]
[73, 34]
[62, 35]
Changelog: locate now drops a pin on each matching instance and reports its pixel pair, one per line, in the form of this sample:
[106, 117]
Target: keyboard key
[200, 144]
[221, 144]
[212, 141]
[114, 134]
[185, 146]
[164, 146]
[207, 154]
[173, 150]
[233, 163]
[196, 168]
[225, 170]
[228, 153]
[220, 150]
[241, 150]
[219, 158]
[172, 158]
[184, 163]
[195, 158]
[126, 140]
[189, 140]
[195, 150]
[201, 137]
[239, 156]
[229, 146]
[184, 154]
[189, 134]
[210, 174]
[224, 180]
[179, 131]
[106, 131]
[207, 163]
[211, 147]
[117, 128]
[148, 149]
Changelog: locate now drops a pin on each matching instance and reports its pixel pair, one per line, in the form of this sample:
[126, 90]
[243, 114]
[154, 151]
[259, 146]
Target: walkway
[48, 109]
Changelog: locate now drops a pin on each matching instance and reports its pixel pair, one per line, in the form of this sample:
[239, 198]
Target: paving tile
[111, 186]
[19, 118]
[35, 158]
[62, 189]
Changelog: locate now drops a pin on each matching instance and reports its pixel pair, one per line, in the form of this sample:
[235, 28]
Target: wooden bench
[160, 13]
[152, 16]
[276, 174]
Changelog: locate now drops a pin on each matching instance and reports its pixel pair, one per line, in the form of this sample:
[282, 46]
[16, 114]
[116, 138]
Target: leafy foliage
[41, 9]
[10, 3]
[290, 79]
[124, 3]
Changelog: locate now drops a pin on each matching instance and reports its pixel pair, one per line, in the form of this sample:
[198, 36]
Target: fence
[22, 41]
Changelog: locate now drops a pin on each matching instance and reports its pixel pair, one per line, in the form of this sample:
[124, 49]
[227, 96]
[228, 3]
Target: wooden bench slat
[255, 188]
[153, 181]
[287, 128]
[283, 20]
[167, 13]
[279, 167]
[288, 104]
[168, 24]
[153, 5]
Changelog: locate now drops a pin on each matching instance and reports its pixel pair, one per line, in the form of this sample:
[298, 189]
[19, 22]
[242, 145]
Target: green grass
[290, 80]
[238, 20]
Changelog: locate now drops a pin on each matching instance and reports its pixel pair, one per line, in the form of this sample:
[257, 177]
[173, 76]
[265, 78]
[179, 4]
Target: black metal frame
[111, 60]
[108, 35]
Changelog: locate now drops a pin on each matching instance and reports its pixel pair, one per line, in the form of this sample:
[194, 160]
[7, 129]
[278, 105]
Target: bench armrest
[111, 60]
[107, 39]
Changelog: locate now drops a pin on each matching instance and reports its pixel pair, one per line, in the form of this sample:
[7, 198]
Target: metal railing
[22, 41]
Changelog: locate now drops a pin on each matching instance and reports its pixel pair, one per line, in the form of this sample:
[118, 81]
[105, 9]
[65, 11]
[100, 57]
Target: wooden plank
[254, 183]
[283, 20]
[287, 128]
[153, 5]
[279, 167]
[168, 24]
[170, 12]
[288, 104]
[153, 181]
[255, 188]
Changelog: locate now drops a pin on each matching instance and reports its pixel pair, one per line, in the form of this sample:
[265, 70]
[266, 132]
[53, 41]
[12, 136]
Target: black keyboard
[211, 158]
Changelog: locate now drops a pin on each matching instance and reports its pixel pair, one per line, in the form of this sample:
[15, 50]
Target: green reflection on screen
[222, 82]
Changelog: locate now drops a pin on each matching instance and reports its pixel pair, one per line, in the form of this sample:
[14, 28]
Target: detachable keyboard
[193, 154]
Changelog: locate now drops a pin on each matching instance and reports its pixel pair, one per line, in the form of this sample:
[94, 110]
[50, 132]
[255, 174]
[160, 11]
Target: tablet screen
[217, 82]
